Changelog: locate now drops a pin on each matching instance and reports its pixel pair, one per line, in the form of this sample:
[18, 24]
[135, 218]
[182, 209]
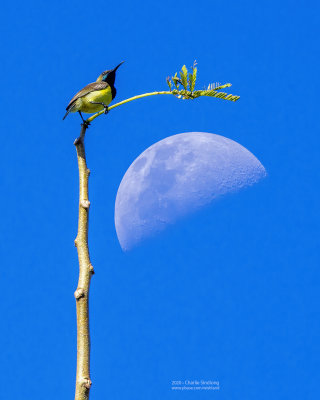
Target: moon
[177, 176]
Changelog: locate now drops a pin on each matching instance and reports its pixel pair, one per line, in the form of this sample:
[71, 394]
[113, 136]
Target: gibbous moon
[177, 176]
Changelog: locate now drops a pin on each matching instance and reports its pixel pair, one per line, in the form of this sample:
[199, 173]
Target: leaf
[192, 79]
[176, 80]
[217, 86]
[223, 86]
[214, 93]
[169, 83]
[184, 77]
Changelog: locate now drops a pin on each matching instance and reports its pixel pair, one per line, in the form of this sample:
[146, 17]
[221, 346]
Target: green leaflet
[176, 80]
[169, 83]
[224, 86]
[192, 79]
[219, 95]
[184, 77]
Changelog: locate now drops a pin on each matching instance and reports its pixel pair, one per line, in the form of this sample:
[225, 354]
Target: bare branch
[83, 381]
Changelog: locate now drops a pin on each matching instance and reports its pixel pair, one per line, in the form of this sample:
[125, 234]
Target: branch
[140, 96]
[83, 381]
[185, 94]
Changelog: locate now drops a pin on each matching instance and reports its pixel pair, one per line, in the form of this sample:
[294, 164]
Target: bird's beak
[114, 69]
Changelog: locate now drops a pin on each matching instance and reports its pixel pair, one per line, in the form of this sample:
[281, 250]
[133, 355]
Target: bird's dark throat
[113, 91]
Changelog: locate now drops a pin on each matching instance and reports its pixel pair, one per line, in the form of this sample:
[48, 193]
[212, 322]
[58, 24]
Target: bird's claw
[106, 109]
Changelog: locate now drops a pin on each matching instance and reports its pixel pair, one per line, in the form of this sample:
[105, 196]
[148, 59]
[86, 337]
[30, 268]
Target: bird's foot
[85, 123]
[106, 109]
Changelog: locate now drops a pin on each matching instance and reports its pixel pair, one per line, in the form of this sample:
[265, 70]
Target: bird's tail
[66, 114]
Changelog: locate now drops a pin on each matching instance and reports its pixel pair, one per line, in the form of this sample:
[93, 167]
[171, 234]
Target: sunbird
[96, 96]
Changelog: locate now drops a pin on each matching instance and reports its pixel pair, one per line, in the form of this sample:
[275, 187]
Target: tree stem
[140, 96]
[83, 381]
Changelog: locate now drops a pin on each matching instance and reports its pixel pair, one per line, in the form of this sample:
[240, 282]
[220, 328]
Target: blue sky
[229, 294]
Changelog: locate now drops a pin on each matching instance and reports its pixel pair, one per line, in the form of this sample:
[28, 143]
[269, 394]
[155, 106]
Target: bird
[96, 96]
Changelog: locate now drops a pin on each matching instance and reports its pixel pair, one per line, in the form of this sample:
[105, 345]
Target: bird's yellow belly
[85, 105]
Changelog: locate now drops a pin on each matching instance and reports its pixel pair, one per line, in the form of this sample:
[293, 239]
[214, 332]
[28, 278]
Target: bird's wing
[92, 87]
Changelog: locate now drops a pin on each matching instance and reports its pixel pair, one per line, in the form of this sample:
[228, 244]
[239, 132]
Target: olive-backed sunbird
[96, 96]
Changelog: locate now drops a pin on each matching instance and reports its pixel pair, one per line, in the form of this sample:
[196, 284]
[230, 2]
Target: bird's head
[109, 76]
